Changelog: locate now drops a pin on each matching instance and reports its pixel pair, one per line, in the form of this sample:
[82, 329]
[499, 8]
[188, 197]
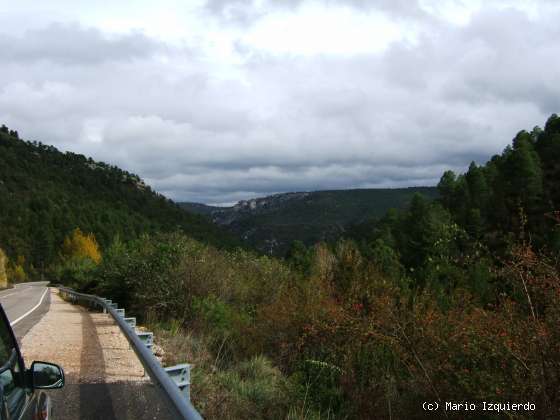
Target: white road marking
[31, 310]
[10, 291]
[19, 290]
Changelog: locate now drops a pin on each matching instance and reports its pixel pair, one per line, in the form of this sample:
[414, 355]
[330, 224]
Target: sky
[215, 101]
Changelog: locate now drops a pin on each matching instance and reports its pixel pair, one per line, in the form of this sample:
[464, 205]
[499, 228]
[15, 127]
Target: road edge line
[31, 310]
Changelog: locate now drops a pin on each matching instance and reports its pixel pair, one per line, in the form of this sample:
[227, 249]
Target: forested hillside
[272, 223]
[514, 195]
[45, 194]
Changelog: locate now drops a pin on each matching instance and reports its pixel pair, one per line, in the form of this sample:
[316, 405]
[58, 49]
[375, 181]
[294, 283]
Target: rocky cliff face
[255, 206]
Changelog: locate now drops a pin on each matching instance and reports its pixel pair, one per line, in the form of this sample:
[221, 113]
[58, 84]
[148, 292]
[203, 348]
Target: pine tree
[417, 232]
[525, 173]
[42, 251]
[461, 200]
[548, 148]
[446, 188]
[479, 192]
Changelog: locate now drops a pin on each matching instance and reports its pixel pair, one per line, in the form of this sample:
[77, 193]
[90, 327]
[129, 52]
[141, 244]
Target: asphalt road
[25, 305]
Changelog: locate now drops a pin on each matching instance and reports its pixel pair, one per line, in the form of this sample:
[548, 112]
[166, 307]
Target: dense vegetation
[3, 275]
[345, 340]
[45, 194]
[270, 224]
[456, 299]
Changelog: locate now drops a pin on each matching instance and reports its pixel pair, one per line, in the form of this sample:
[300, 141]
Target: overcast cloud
[226, 100]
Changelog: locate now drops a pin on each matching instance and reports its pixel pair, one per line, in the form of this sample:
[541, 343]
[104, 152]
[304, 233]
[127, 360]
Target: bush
[256, 389]
[74, 272]
[3, 274]
[140, 275]
[17, 274]
[216, 315]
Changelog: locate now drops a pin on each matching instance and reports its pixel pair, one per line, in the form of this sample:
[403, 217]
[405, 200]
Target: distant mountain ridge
[272, 223]
[227, 215]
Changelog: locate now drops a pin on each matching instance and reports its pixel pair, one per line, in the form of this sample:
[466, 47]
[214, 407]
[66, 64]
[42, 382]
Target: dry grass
[253, 388]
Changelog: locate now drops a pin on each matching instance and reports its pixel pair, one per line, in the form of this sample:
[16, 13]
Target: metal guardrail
[174, 382]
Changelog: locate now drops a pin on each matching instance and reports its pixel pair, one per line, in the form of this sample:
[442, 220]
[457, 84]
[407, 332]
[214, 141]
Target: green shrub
[217, 315]
[74, 272]
[257, 389]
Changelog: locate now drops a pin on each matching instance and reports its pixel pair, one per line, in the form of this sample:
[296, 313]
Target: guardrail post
[131, 322]
[120, 312]
[146, 337]
[108, 302]
[181, 375]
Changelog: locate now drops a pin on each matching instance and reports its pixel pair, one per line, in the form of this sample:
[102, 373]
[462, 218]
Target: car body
[21, 389]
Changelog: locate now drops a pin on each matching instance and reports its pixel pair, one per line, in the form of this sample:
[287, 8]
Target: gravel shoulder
[88, 345]
[104, 378]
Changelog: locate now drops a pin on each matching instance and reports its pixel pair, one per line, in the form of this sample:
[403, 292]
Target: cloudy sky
[216, 101]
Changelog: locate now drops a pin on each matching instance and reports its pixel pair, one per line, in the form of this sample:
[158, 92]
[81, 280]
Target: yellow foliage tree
[20, 260]
[17, 274]
[80, 245]
[3, 263]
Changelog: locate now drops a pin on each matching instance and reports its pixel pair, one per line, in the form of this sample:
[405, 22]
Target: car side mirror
[46, 375]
